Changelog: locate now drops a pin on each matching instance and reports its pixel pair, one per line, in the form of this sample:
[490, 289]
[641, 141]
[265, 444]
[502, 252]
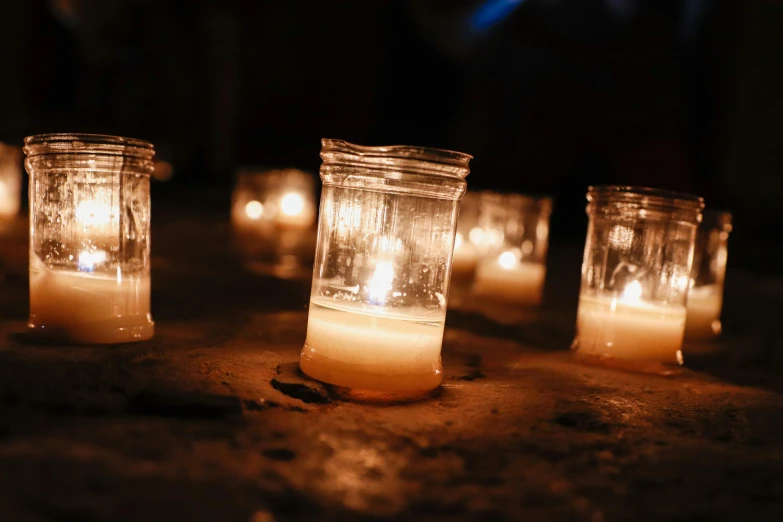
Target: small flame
[254, 209]
[292, 204]
[632, 292]
[381, 282]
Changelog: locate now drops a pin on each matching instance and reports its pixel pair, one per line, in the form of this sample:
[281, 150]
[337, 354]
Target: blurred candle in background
[705, 298]
[515, 239]
[10, 180]
[273, 217]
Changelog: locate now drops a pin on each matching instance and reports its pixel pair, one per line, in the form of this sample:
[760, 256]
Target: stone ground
[211, 422]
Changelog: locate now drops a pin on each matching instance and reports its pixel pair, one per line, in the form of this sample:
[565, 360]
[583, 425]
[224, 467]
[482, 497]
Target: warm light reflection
[88, 260]
[457, 241]
[292, 204]
[476, 235]
[254, 209]
[93, 214]
[632, 292]
[380, 283]
[507, 260]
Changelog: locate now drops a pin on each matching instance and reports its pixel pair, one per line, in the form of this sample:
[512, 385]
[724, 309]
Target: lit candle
[89, 272]
[704, 307]
[372, 351]
[625, 327]
[84, 307]
[506, 278]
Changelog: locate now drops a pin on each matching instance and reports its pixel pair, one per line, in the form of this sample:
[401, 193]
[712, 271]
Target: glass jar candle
[273, 213]
[515, 238]
[10, 180]
[89, 238]
[635, 273]
[705, 297]
[386, 234]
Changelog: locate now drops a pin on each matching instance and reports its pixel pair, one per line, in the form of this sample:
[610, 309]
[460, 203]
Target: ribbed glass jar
[383, 260]
[89, 238]
[635, 273]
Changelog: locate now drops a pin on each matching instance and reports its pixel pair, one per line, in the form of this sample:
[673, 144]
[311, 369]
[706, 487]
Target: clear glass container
[273, 213]
[705, 297]
[10, 181]
[515, 238]
[635, 273]
[89, 238]
[386, 234]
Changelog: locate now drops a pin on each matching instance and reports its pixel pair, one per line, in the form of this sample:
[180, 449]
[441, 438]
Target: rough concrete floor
[210, 422]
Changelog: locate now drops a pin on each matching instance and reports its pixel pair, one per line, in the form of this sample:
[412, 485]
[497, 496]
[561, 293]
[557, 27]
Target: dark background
[550, 96]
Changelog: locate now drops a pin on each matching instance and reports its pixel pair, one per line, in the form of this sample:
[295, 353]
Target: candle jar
[10, 180]
[386, 234]
[89, 238]
[273, 212]
[705, 297]
[635, 273]
[512, 264]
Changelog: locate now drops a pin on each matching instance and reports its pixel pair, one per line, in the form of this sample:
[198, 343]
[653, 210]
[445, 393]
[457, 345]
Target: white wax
[612, 327]
[366, 351]
[464, 261]
[704, 307]
[86, 308]
[522, 283]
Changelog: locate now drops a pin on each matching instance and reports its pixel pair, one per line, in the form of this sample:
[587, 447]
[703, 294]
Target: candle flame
[632, 292]
[507, 260]
[254, 209]
[381, 282]
[292, 204]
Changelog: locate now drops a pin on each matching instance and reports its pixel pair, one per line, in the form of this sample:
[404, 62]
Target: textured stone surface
[210, 421]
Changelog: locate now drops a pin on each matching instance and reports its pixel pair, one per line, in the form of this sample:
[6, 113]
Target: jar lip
[653, 195]
[75, 143]
[427, 160]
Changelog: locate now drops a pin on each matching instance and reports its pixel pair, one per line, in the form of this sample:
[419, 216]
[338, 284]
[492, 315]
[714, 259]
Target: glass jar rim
[85, 143]
[421, 160]
[652, 196]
